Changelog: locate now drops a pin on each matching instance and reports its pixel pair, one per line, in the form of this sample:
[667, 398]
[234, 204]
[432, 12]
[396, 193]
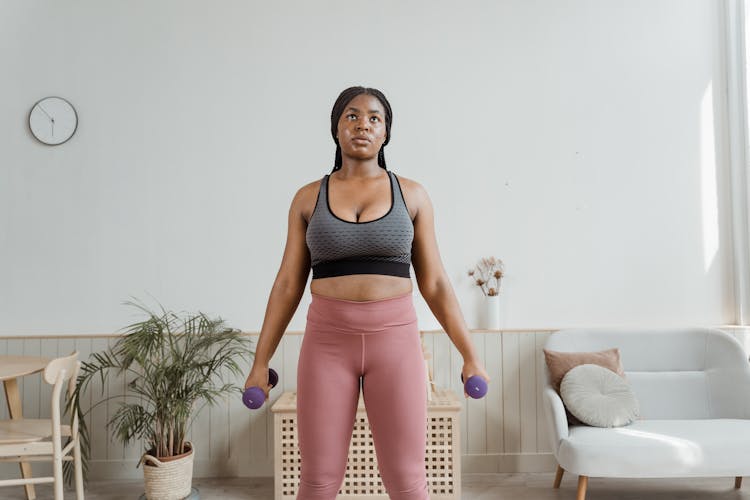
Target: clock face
[53, 120]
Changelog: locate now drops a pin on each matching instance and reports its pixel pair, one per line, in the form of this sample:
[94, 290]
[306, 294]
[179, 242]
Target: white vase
[492, 312]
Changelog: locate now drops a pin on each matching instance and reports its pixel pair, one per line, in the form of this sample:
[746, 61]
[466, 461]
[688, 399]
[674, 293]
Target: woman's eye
[375, 117]
[351, 114]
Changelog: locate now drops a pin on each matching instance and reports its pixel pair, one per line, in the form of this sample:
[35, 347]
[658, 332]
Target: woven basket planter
[168, 478]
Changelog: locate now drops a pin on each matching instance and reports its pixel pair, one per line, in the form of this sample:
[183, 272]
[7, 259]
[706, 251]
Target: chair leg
[583, 481]
[78, 468]
[57, 471]
[13, 399]
[738, 482]
[558, 476]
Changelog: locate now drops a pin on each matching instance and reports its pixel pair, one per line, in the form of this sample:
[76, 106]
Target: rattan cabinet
[362, 479]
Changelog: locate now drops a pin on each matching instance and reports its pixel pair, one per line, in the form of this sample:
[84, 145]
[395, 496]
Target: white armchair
[693, 388]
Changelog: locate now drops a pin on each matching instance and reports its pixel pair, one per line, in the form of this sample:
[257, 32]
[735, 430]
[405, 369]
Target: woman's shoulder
[414, 193]
[306, 197]
[407, 183]
[309, 189]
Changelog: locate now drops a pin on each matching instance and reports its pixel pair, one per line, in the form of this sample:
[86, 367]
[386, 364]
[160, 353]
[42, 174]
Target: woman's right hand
[259, 378]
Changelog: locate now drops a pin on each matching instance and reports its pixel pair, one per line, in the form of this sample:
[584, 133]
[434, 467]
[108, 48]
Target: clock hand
[45, 112]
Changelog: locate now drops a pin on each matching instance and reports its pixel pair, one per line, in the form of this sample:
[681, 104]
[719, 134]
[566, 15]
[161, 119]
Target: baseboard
[107, 470]
[508, 462]
[113, 470]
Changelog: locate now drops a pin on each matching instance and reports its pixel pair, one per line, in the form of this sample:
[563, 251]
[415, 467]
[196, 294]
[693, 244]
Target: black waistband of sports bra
[344, 267]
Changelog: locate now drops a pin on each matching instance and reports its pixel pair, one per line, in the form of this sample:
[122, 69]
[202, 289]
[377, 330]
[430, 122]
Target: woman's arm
[434, 284]
[288, 287]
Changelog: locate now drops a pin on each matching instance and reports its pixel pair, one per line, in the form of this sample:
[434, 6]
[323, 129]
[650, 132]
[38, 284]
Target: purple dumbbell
[254, 397]
[475, 387]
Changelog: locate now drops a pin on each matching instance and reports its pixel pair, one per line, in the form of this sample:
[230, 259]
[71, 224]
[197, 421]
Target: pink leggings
[377, 342]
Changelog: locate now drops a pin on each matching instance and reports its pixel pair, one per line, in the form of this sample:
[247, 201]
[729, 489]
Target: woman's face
[361, 127]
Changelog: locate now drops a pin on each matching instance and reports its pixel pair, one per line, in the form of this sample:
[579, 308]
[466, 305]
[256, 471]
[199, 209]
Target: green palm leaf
[172, 365]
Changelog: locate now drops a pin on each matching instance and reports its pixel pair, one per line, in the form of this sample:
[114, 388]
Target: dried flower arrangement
[488, 268]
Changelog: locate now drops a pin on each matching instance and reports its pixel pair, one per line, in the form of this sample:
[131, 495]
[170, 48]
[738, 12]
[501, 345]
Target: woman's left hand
[473, 368]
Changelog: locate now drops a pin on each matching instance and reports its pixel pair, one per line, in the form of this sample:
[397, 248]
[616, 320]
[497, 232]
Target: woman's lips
[361, 139]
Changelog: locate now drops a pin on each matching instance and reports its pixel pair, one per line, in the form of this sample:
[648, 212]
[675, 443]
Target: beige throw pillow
[559, 363]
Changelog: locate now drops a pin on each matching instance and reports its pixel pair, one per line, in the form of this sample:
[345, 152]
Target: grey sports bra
[381, 246]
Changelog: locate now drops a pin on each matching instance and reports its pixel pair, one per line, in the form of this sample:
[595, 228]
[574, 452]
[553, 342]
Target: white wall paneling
[502, 432]
[499, 432]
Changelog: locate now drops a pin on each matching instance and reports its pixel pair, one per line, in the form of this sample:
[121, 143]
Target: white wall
[579, 141]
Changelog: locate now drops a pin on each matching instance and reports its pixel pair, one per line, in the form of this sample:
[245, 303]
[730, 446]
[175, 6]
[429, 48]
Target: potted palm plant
[175, 364]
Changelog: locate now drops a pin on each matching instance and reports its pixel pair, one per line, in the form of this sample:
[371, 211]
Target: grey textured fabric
[381, 246]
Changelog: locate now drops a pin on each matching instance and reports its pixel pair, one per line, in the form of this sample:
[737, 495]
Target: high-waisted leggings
[376, 343]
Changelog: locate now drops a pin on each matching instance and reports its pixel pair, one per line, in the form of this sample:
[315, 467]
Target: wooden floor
[475, 487]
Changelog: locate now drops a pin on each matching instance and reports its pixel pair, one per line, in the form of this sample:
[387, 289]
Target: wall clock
[53, 120]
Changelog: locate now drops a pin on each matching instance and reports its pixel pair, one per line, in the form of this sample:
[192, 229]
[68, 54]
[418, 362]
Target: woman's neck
[359, 171]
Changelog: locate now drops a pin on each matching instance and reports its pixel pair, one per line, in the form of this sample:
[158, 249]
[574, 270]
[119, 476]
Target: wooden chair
[41, 439]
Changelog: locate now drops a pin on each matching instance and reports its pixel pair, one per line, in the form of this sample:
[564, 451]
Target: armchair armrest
[557, 420]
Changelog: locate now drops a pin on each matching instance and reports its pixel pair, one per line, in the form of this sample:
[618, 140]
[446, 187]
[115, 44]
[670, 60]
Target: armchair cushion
[659, 448]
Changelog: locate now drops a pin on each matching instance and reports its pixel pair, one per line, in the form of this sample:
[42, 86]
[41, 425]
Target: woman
[358, 229]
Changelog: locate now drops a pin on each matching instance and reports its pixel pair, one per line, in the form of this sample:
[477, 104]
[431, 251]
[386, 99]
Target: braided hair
[338, 108]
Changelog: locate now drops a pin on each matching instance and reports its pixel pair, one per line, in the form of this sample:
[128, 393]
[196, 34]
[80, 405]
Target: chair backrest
[56, 373]
[686, 373]
[68, 363]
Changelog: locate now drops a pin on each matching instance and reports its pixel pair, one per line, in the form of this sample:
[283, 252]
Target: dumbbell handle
[254, 397]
